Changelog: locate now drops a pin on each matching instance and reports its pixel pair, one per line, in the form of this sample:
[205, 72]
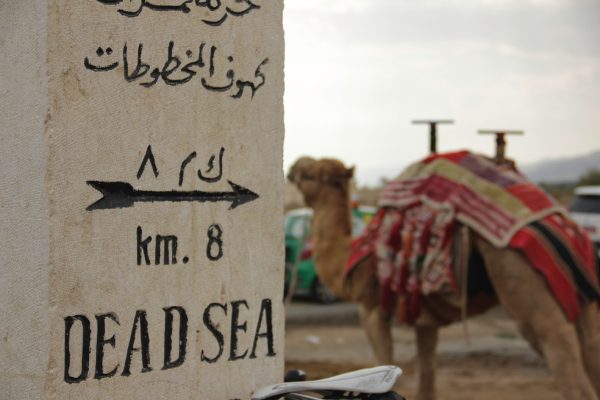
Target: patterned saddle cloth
[412, 234]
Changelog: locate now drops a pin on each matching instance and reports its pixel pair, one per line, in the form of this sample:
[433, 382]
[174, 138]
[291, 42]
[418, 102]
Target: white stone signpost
[141, 198]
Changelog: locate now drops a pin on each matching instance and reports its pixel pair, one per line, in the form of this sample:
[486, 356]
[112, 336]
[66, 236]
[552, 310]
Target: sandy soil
[496, 364]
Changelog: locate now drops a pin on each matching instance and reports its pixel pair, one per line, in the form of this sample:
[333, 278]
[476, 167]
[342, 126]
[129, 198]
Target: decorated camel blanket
[413, 234]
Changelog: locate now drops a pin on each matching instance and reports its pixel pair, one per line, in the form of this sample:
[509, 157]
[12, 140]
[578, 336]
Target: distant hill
[562, 169]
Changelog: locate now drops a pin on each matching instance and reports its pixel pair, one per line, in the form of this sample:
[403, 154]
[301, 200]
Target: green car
[299, 264]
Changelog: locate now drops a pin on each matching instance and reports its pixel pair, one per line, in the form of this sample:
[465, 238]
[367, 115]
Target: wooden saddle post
[500, 156]
[433, 131]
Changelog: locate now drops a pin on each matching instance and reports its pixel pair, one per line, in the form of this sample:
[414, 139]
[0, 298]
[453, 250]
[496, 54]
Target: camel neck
[332, 231]
[332, 219]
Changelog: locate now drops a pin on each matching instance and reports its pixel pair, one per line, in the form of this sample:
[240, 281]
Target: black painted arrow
[123, 195]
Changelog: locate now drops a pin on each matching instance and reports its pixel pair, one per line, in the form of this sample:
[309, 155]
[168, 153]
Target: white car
[585, 210]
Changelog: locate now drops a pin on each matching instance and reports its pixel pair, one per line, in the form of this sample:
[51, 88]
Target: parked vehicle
[300, 269]
[585, 210]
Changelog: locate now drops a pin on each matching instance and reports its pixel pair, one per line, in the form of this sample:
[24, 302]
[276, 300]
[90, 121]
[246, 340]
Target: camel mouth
[297, 172]
[298, 177]
[290, 177]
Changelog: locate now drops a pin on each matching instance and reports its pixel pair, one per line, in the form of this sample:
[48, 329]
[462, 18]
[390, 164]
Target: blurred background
[359, 71]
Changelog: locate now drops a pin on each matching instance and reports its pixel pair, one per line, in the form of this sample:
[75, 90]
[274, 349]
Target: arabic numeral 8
[215, 242]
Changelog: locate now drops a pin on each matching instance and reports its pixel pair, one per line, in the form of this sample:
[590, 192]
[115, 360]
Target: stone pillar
[141, 198]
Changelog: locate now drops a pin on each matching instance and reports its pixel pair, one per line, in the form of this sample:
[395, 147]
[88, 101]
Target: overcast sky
[358, 71]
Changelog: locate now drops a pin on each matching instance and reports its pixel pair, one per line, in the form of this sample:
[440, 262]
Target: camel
[571, 350]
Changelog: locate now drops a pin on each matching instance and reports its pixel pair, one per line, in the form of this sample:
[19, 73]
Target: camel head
[318, 179]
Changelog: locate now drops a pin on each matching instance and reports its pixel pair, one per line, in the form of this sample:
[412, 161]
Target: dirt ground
[496, 363]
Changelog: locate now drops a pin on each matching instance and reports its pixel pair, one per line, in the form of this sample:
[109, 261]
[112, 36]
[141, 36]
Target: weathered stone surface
[141, 194]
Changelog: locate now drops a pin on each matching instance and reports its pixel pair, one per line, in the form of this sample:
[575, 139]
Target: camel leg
[588, 327]
[526, 298]
[427, 337]
[378, 327]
